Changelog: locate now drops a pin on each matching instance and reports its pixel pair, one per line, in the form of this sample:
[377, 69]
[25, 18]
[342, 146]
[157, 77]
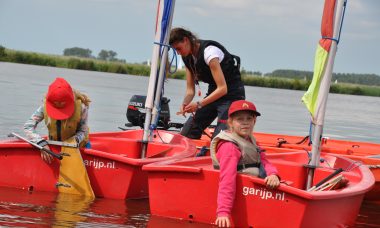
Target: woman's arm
[190, 91]
[221, 87]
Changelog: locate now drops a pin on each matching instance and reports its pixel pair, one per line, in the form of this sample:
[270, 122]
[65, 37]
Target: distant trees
[246, 72]
[299, 74]
[2, 51]
[77, 51]
[363, 79]
[105, 55]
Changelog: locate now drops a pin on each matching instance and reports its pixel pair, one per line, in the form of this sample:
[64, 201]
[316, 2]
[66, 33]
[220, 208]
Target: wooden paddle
[326, 179]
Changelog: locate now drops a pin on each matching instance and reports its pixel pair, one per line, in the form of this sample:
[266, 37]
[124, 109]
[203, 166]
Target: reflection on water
[158, 222]
[68, 209]
[45, 209]
[369, 215]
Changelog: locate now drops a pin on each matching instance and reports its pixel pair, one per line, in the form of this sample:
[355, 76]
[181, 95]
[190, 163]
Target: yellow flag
[310, 98]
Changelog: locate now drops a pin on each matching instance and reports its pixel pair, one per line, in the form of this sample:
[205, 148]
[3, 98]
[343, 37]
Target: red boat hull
[113, 163]
[188, 190]
[364, 152]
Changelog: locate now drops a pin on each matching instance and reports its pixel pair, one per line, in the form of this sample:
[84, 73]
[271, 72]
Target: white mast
[165, 10]
[319, 110]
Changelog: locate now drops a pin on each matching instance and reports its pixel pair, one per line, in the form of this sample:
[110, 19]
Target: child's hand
[272, 181]
[223, 221]
[46, 156]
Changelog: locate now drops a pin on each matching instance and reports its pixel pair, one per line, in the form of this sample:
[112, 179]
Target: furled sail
[164, 17]
[315, 98]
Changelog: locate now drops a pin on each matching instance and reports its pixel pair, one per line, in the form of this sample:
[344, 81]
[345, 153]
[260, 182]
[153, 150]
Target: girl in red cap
[236, 151]
[65, 112]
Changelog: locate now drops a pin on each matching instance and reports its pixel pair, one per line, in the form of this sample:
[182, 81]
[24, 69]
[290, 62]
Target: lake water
[23, 86]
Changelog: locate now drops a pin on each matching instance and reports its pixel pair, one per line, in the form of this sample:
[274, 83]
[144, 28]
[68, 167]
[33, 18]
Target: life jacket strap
[243, 166]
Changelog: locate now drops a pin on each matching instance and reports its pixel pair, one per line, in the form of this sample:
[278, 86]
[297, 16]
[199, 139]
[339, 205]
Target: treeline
[105, 55]
[362, 79]
[297, 84]
[274, 80]
[72, 62]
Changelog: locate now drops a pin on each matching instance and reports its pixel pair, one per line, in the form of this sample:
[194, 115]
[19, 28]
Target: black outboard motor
[136, 112]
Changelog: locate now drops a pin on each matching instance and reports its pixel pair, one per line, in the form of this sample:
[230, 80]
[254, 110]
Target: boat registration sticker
[264, 193]
[99, 164]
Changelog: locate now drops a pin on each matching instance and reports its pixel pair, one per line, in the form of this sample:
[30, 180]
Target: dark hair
[178, 34]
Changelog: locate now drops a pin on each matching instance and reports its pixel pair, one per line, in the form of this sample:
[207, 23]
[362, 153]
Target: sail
[165, 10]
[315, 98]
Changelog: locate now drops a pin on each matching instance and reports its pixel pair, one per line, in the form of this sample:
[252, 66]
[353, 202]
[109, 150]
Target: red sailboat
[114, 161]
[312, 193]
[187, 190]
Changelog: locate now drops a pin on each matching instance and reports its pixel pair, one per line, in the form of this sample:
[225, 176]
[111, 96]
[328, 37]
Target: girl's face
[242, 123]
[183, 47]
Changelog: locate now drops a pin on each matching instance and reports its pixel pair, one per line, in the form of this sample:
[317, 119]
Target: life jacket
[68, 127]
[250, 157]
[230, 66]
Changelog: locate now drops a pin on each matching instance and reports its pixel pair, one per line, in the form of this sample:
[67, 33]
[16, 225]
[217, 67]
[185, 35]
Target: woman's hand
[223, 221]
[272, 181]
[190, 108]
[182, 110]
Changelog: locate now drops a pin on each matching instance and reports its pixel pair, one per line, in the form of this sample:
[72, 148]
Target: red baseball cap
[60, 100]
[242, 105]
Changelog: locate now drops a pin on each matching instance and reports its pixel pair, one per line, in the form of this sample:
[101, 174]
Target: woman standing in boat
[210, 62]
[65, 112]
[236, 151]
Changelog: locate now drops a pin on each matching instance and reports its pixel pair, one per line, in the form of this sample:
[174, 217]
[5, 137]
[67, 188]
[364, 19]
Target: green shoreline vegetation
[283, 79]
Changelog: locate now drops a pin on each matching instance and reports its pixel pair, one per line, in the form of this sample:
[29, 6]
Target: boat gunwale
[365, 184]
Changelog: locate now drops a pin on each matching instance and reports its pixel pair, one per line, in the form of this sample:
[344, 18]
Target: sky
[266, 34]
